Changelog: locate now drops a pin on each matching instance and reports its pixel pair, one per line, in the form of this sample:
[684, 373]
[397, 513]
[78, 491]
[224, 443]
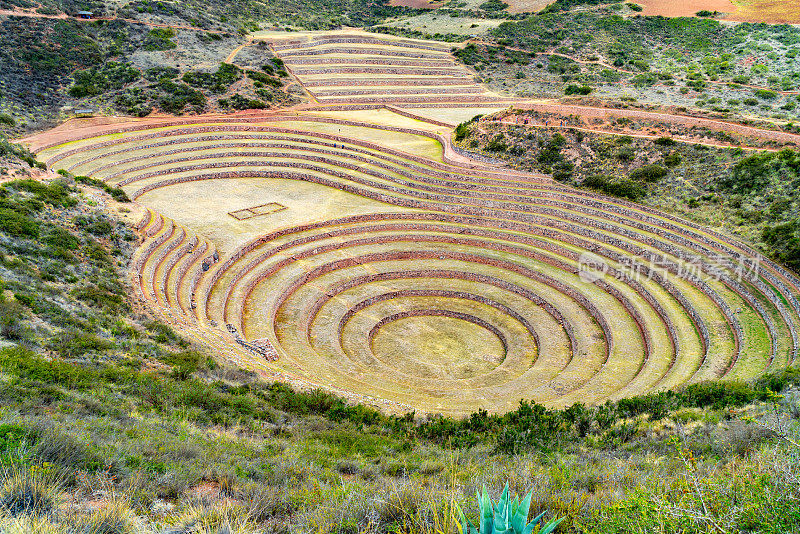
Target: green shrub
[119, 195]
[784, 243]
[719, 394]
[648, 173]
[765, 94]
[160, 39]
[60, 238]
[178, 95]
[497, 143]
[749, 174]
[75, 344]
[673, 159]
[116, 193]
[217, 82]
[12, 439]
[99, 227]
[185, 363]
[577, 90]
[18, 224]
[624, 188]
[96, 80]
[462, 131]
[665, 141]
[264, 78]
[155, 74]
[54, 193]
[493, 5]
[625, 153]
[240, 102]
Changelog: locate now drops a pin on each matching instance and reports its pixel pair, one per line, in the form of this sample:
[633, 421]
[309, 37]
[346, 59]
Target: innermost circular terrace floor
[438, 347]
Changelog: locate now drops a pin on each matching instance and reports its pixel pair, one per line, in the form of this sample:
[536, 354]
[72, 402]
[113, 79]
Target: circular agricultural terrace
[341, 261]
[355, 250]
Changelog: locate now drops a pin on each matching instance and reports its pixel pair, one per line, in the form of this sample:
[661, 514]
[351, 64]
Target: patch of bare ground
[527, 6]
[417, 4]
[684, 8]
[770, 11]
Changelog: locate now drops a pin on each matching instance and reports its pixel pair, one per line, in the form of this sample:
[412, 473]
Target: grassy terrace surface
[388, 231]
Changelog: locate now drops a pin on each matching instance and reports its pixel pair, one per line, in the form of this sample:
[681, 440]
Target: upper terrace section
[358, 67]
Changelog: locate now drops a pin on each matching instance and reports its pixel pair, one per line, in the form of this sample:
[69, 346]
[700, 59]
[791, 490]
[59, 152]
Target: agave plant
[505, 517]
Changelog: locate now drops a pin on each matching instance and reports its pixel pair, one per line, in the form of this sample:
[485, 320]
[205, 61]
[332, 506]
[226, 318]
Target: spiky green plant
[505, 517]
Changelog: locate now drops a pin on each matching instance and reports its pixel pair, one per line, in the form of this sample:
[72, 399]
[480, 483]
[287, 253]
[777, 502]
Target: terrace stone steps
[341, 81]
[389, 173]
[290, 55]
[378, 91]
[164, 263]
[399, 43]
[166, 246]
[327, 70]
[156, 247]
[389, 62]
[729, 314]
[390, 98]
[480, 240]
[353, 60]
[234, 306]
[138, 143]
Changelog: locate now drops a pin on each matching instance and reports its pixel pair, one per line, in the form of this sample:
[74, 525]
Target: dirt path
[79, 128]
[239, 48]
[588, 112]
[682, 139]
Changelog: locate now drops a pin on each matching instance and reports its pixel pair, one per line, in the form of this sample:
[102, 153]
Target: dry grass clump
[29, 524]
[29, 492]
[115, 517]
[219, 518]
